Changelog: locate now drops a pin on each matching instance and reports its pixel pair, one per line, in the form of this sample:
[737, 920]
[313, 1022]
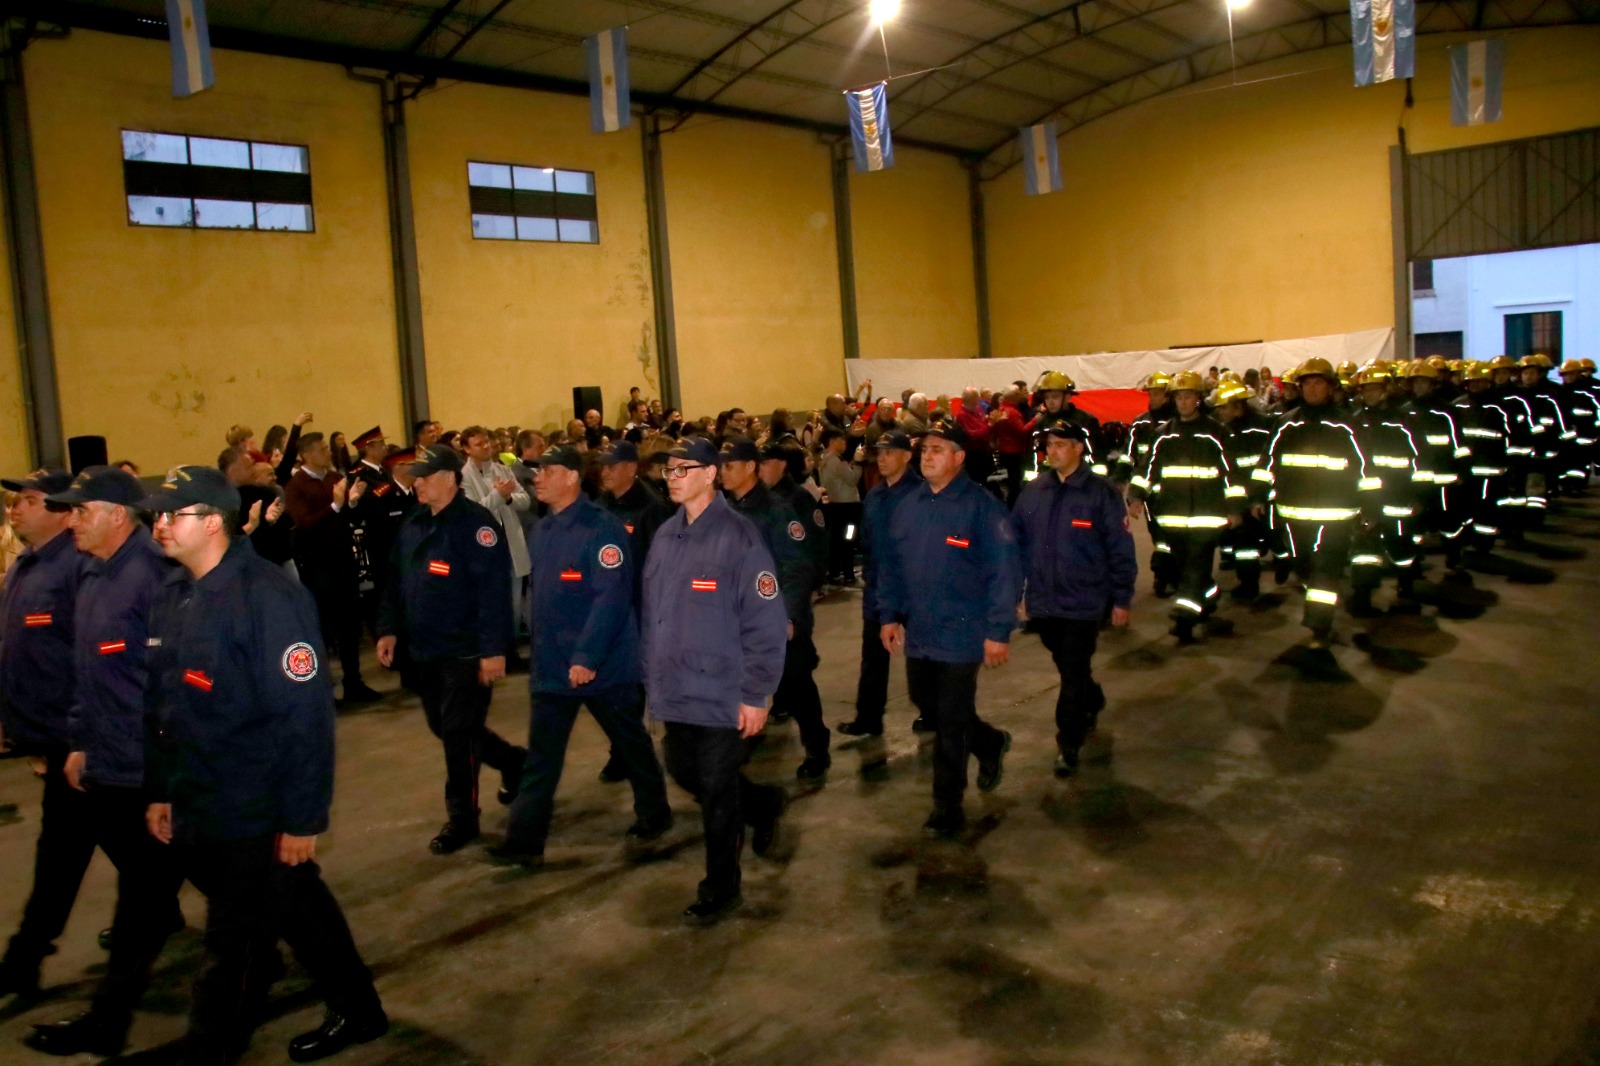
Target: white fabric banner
[1112, 370]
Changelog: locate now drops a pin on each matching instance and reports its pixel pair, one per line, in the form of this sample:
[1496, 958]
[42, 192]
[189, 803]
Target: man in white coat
[491, 484]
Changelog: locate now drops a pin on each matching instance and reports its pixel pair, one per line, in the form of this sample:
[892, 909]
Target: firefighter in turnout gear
[1248, 436]
[1316, 479]
[1440, 459]
[1486, 431]
[1135, 456]
[1386, 538]
[1190, 484]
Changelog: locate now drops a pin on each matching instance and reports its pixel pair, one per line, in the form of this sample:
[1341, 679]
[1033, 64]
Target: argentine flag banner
[1041, 165]
[869, 127]
[608, 80]
[1383, 38]
[191, 47]
[1475, 69]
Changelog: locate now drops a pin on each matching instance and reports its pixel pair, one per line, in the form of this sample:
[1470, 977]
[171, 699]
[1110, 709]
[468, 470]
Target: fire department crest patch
[767, 585]
[816, 516]
[487, 537]
[797, 531]
[611, 557]
[299, 662]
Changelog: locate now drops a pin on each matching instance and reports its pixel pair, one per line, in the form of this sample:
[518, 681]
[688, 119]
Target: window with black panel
[179, 180]
[520, 203]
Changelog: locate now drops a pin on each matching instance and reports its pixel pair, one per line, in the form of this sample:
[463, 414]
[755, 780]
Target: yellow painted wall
[512, 326]
[754, 267]
[165, 337]
[912, 229]
[14, 456]
[1252, 212]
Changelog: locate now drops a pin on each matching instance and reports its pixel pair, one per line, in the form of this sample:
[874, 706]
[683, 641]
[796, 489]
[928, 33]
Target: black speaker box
[587, 398]
[86, 451]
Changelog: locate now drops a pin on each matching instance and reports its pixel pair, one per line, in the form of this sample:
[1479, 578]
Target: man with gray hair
[914, 418]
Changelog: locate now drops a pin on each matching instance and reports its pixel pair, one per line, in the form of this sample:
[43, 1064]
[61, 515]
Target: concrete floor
[1385, 857]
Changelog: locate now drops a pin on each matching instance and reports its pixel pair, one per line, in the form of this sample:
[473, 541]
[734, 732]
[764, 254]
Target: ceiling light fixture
[883, 10]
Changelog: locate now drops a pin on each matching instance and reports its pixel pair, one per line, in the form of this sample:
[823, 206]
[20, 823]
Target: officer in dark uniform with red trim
[585, 652]
[239, 771]
[444, 604]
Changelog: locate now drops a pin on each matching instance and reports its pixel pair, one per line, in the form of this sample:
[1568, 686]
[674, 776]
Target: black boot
[92, 1033]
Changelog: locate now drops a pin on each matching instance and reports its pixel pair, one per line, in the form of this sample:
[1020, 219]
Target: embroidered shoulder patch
[816, 516]
[299, 662]
[767, 585]
[797, 531]
[610, 556]
[487, 537]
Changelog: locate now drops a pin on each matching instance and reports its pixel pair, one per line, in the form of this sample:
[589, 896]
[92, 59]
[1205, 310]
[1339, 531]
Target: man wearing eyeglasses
[37, 675]
[713, 628]
[239, 768]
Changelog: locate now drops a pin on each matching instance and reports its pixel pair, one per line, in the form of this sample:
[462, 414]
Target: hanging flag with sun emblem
[1040, 163]
[191, 46]
[1475, 69]
[1383, 38]
[869, 127]
[608, 80]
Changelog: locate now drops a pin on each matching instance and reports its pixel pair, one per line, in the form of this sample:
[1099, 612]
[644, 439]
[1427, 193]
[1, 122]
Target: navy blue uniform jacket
[714, 625]
[785, 537]
[951, 574]
[113, 625]
[1077, 553]
[580, 600]
[876, 511]
[37, 606]
[240, 709]
[448, 592]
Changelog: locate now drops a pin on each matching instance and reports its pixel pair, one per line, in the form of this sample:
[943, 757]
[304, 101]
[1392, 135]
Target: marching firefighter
[1386, 537]
[1248, 436]
[1440, 456]
[1190, 484]
[1316, 477]
[1487, 435]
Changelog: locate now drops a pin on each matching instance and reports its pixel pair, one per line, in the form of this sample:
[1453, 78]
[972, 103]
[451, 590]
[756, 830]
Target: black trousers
[1194, 559]
[946, 694]
[457, 709]
[705, 761]
[74, 824]
[251, 901]
[1320, 550]
[1245, 544]
[620, 712]
[872, 687]
[339, 611]
[797, 693]
[842, 520]
[1071, 643]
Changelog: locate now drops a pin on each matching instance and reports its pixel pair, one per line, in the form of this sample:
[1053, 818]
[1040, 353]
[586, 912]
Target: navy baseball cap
[562, 455]
[951, 432]
[48, 482]
[740, 450]
[204, 485]
[106, 484]
[894, 440]
[1068, 431]
[697, 450]
[624, 451]
[432, 458]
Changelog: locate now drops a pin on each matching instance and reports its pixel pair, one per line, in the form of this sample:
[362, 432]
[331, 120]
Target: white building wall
[1475, 293]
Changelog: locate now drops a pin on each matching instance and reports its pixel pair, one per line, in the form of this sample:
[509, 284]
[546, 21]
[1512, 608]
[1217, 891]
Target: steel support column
[980, 258]
[25, 246]
[655, 202]
[403, 257]
[844, 242]
[1401, 257]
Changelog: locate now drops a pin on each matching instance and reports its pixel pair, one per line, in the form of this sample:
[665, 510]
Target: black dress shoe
[510, 854]
[1066, 764]
[19, 980]
[766, 834]
[335, 1034]
[989, 769]
[707, 911]
[776, 715]
[814, 768]
[361, 693]
[922, 725]
[646, 829]
[90, 1034]
[452, 837]
[859, 729]
[613, 772]
[944, 822]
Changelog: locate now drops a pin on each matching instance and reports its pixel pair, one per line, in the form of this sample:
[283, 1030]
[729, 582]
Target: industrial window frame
[1534, 331]
[254, 185]
[521, 211]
